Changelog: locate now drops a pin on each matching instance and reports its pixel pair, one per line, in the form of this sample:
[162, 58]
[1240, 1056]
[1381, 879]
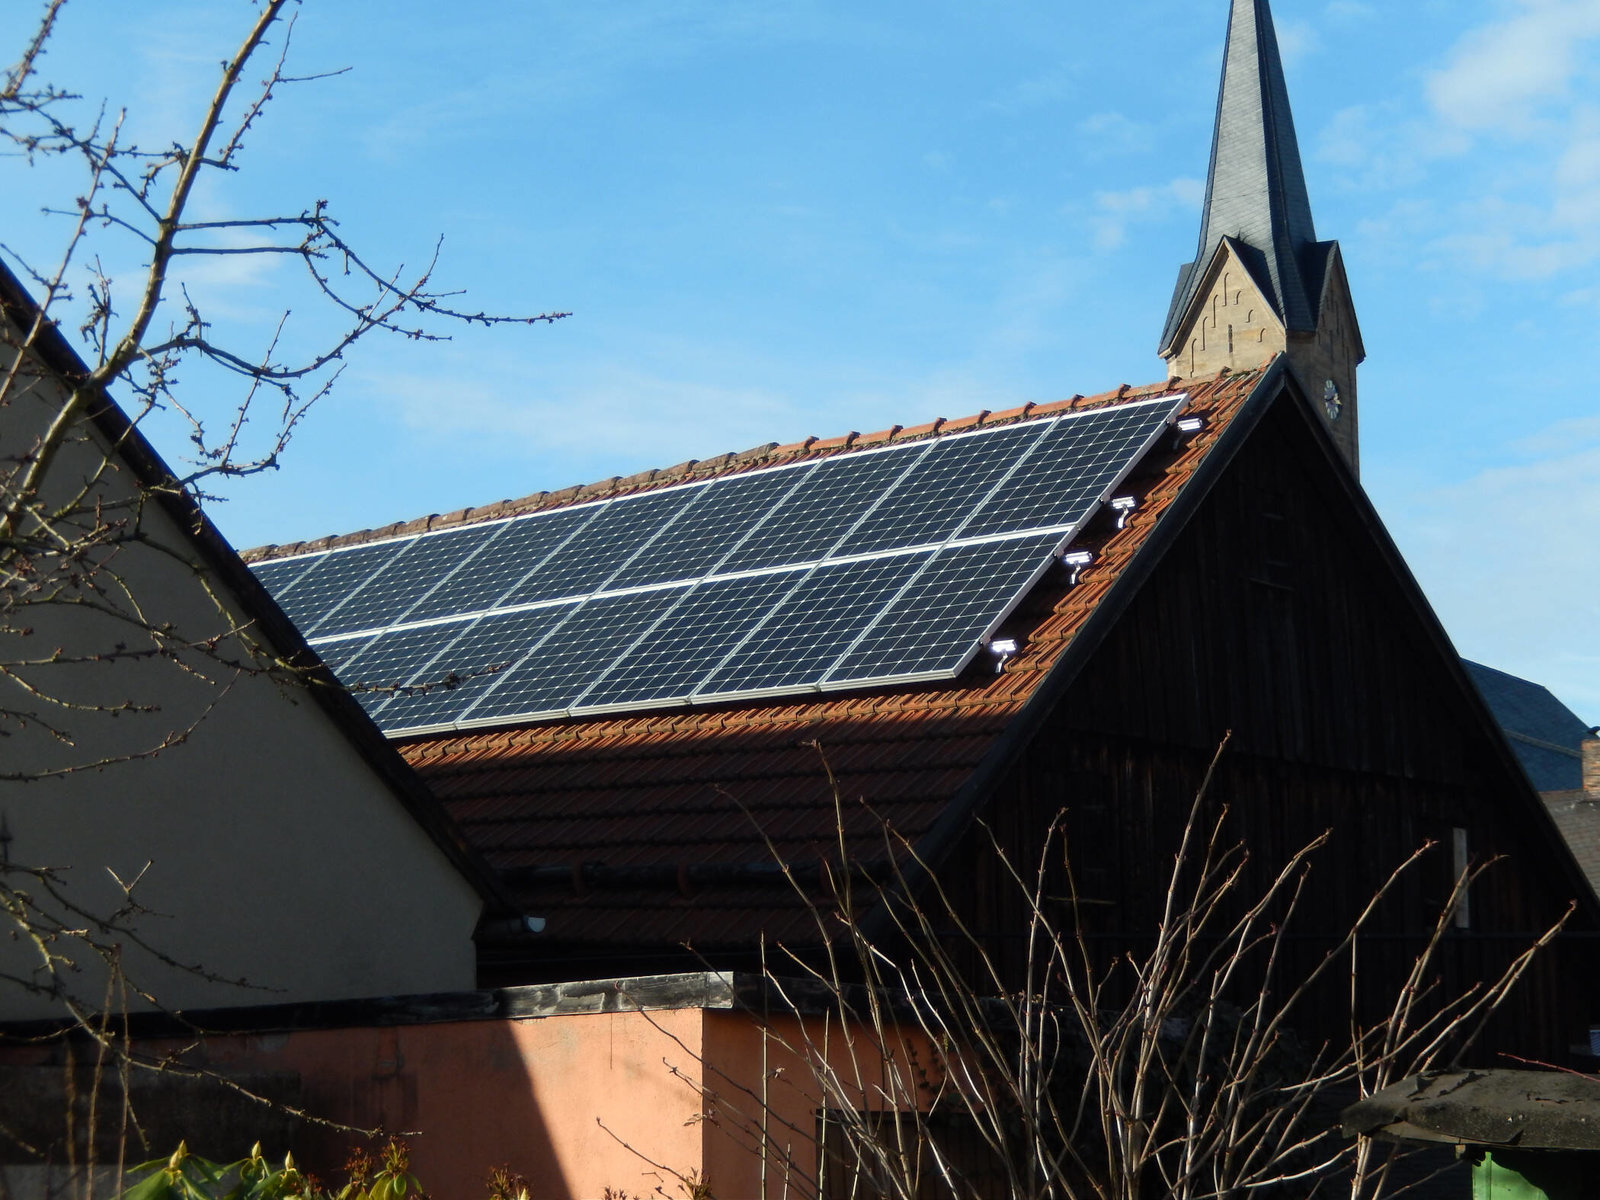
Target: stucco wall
[579, 1103]
[266, 848]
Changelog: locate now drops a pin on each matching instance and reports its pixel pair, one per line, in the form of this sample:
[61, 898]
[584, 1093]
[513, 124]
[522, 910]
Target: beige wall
[1235, 329]
[267, 850]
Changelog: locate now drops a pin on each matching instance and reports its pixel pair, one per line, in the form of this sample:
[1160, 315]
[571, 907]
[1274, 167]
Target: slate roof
[1527, 1110]
[1256, 187]
[1544, 732]
[1577, 816]
[652, 830]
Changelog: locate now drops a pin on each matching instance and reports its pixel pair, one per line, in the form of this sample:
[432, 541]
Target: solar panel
[466, 670]
[885, 565]
[331, 579]
[932, 501]
[425, 565]
[561, 667]
[514, 550]
[1068, 472]
[280, 574]
[706, 534]
[836, 495]
[672, 657]
[943, 613]
[812, 626]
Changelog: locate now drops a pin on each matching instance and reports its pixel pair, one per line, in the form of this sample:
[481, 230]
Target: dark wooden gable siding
[1276, 619]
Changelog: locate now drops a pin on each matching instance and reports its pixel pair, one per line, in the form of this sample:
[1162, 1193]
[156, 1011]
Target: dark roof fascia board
[941, 840]
[153, 473]
[1533, 804]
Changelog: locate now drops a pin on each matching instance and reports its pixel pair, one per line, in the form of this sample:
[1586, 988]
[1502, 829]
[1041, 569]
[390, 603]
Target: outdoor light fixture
[1077, 560]
[1004, 650]
[1123, 506]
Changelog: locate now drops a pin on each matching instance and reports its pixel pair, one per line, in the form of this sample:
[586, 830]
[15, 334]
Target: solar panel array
[886, 565]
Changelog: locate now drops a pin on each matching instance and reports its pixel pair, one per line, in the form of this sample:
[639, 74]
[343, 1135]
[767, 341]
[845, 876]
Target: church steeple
[1261, 283]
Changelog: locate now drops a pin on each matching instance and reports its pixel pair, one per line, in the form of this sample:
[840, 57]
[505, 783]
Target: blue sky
[776, 219]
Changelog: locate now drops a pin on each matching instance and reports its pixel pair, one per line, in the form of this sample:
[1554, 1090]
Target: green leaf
[156, 1187]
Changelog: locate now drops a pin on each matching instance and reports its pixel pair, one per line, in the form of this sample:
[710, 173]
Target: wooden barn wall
[1274, 621]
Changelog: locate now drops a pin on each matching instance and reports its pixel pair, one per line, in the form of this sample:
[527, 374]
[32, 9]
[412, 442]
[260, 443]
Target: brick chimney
[1591, 766]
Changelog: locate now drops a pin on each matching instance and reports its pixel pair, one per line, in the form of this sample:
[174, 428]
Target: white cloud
[639, 418]
[1116, 133]
[1042, 91]
[1297, 40]
[1500, 76]
[1118, 210]
[1377, 148]
[1350, 11]
[1551, 229]
[1511, 559]
[1529, 215]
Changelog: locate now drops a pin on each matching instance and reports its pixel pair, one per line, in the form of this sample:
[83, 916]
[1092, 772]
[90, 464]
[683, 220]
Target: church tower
[1261, 284]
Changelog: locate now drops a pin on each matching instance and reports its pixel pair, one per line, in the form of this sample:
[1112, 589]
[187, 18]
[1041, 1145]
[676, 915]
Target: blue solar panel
[705, 534]
[477, 659]
[1080, 458]
[331, 580]
[673, 656]
[376, 667]
[619, 531]
[516, 550]
[389, 596]
[837, 493]
[852, 570]
[278, 575]
[560, 668]
[813, 626]
[958, 598]
[932, 501]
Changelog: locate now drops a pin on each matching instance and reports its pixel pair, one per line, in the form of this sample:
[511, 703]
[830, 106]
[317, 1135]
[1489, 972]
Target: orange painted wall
[580, 1104]
[762, 1142]
[559, 1099]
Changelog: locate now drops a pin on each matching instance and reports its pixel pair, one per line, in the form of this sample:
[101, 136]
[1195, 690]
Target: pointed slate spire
[1256, 192]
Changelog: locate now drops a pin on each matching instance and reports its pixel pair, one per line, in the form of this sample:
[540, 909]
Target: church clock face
[1332, 402]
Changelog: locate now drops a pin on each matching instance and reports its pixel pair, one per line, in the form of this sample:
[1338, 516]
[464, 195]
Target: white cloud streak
[1116, 211]
[1511, 560]
[1500, 76]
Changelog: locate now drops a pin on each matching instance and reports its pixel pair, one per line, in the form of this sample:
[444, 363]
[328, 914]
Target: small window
[1461, 863]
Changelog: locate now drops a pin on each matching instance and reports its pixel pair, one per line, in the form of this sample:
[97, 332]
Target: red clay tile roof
[614, 828]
